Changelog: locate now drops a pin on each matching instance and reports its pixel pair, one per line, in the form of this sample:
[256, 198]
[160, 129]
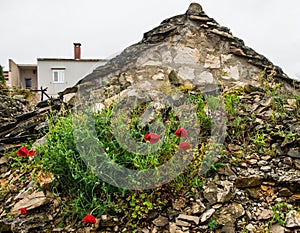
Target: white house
[57, 74]
[22, 75]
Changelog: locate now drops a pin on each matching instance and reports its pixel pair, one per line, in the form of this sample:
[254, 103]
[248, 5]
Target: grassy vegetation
[88, 194]
[212, 224]
[3, 88]
[279, 212]
[85, 192]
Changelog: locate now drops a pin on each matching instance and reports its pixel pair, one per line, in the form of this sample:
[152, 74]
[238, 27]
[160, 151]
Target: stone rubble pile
[257, 191]
[19, 122]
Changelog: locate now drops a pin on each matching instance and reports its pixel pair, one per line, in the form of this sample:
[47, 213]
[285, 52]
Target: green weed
[212, 224]
[279, 212]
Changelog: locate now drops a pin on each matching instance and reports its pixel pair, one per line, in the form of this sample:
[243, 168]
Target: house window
[28, 83]
[58, 76]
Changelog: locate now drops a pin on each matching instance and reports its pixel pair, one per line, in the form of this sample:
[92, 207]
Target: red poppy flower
[181, 133]
[23, 211]
[184, 146]
[89, 219]
[24, 152]
[152, 138]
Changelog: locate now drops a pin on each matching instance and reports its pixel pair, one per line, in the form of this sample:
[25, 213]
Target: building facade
[53, 74]
[23, 75]
[57, 74]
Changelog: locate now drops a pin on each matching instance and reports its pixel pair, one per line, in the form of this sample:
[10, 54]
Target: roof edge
[70, 59]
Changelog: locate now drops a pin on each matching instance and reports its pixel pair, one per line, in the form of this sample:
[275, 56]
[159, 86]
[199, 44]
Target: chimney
[77, 51]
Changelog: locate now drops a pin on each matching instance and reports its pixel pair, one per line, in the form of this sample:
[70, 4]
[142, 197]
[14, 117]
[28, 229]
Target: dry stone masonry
[21, 122]
[192, 50]
[256, 187]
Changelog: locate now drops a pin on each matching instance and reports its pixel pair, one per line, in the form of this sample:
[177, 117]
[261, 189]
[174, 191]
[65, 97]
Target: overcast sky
[34, 29]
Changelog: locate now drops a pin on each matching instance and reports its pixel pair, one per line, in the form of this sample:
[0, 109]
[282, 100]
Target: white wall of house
[59, 74]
